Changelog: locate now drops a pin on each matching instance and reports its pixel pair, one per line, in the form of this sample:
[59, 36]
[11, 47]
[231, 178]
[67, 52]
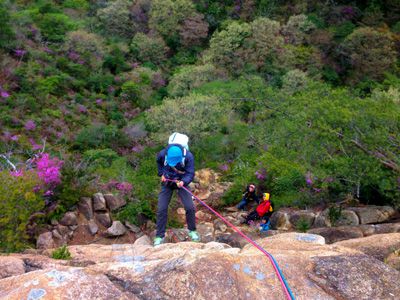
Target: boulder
[378, 246]
[114, 202]
[387, 228]
[203, 217]
[132, 227]
[205, 177]
[335, 234]
[373, 214]
[63, 283]
[347, 218]
[280, 220]
[322, 219]
[103, 218]
[304, 215]
[69, 219]
[92, 227]
[85, 207]
[11, 266]
[116, 229]
[99, 202]
[206, 231]
[393, 260]
[191, 270]
[45, 241]
[63, 230]
[143, 240]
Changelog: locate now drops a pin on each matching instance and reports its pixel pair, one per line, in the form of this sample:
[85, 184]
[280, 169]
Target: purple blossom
[99, 101]
[19, 52]
[73, 55]
[49, 169]
[82, 109]
[261, 174]
[308, 177]
[124, 187]
[48, 193]
[47, 50]
[30, 125]
[14, 138]
[17, 173]
[137, 148]
[224, 167]
[4, 94]
[111, 89]
[135, 65]
[157, 81]
[34, 145]
[81, 62]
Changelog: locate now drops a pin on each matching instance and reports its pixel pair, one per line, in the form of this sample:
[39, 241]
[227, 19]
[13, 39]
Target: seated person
[263, 211]
[249, 194]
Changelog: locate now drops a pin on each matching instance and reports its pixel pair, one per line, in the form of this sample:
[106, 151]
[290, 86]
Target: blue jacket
[184, 173]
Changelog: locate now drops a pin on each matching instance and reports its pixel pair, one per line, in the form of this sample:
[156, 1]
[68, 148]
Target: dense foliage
[301, 97]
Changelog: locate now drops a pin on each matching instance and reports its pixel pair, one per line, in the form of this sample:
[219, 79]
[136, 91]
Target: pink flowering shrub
[48, 170]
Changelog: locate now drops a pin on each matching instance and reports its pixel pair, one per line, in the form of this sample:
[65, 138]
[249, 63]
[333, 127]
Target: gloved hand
[163, 179]
[180, 184]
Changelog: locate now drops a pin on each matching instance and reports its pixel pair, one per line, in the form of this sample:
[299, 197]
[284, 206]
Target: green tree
[115, 19]
[226, 47]
[369, 54]
[88, 45]
[189, 77]
[149, 48]
[195, 115]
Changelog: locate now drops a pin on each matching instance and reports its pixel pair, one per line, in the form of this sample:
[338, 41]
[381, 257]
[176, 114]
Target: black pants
[163, 201]
[254, 216]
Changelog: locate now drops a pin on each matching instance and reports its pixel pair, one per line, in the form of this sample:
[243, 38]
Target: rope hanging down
[288, 293]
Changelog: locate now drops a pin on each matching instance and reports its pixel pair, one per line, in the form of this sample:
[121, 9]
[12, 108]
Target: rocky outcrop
[189, 270]
[114, 202]
[116, 229]
[99, 202]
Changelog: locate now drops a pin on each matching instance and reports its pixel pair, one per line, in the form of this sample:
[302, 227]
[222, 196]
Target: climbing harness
[288, 293]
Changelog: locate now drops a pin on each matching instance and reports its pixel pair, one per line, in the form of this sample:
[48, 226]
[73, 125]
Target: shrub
[190, 77]
[100, 157]
[20, 197]
[302, 225]
[61, 253]
[148, 48]
[100, 136]
[115, 19]
[372, 61]
[334, 214]
[294, 81]
[193, 31]
[297, 29]
[198, 116]
[84, 48]
[76, 4]
[226, 47]
[166, 15]
[6, 32]
[54, 26]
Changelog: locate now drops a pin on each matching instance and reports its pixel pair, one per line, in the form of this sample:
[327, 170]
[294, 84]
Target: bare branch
[9, 162]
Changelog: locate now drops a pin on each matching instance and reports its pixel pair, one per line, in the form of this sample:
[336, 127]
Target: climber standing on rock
[176, 168]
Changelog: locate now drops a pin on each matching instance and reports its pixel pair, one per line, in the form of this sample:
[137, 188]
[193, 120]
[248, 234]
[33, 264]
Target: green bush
[199, 116]
[19, 199]
[100, 157]
[54, 26]
[334, 214]
[148, 48]
[190, 77]
[61, 253]
[302, 225]
[100, 136]
[7, 34]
